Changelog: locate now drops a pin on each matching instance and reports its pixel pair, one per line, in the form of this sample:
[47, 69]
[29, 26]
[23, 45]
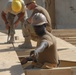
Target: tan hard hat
[38, 19]
[29, 1]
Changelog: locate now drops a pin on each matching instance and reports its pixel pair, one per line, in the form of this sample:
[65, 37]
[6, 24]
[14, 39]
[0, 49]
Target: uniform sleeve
[24, 10]
[23, 7]
[35, 11]
[49, 41]
[41, 47]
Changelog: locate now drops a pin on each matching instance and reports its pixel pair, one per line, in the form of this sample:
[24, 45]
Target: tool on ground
[9, 37]
[8, 34]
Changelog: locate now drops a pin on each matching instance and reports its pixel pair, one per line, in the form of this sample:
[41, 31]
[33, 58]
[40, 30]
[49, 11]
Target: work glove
[32, 55]
[25, 60]
[36, 53]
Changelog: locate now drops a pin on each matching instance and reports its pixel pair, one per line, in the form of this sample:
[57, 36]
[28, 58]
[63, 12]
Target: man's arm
[3, 15]
[41, 48]
[19, 18]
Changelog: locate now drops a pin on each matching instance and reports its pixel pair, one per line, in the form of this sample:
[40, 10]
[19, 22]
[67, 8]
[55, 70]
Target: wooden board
[66, 63]
[7, 50]
[54, 71]
[61, 44]
[68, 35]
[9, 62]
[68, 54]
[64, 32]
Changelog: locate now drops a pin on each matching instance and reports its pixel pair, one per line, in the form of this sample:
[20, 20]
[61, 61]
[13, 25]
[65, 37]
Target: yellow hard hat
[16, 6]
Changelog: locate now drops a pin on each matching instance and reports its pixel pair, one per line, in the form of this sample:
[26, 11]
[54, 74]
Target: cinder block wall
[2, 3]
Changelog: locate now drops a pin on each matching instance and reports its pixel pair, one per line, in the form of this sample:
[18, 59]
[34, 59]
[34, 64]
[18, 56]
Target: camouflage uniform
[39, 9]
[29, 29]
[49, 55]
[45, 54]
[48, 58]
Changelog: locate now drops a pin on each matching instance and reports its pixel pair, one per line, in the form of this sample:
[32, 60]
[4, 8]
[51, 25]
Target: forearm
[42, 47]
[3, 15]
[29, 20]
[21, 15]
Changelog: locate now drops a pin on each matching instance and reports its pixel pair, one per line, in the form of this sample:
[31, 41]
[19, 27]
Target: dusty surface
[10, 64]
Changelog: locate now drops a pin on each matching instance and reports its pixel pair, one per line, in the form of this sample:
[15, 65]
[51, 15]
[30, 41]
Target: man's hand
[15, 24]
[43, 45]
[23, 60]
[32, 55]
[26, 23]
[7, 25]
[36, 53]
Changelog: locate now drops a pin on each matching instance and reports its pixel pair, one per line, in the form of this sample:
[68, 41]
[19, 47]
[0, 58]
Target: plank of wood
[61, 44]
[66, 63]
[68, 54]
[53, 71]
[68, 35]
[9, 62]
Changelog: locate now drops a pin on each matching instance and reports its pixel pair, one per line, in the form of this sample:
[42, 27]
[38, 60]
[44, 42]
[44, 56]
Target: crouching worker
[45, 56]
[12, 9]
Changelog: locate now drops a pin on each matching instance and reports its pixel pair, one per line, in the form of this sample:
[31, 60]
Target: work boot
[11, 39]
[27, 43]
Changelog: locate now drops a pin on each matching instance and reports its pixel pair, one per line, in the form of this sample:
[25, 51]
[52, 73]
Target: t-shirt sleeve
[23, 7]
[35, 11]
[49, 40]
